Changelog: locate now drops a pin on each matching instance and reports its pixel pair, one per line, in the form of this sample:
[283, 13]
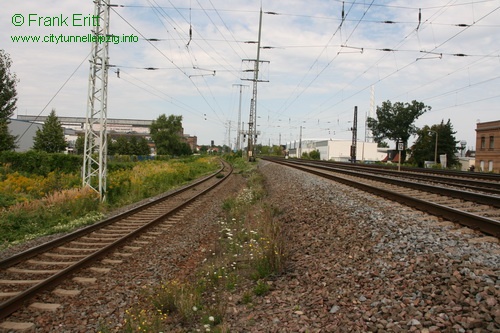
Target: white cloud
[314, 82]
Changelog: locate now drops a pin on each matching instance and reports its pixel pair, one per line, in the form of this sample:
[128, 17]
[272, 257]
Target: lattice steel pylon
[94, 170]
[252, 122]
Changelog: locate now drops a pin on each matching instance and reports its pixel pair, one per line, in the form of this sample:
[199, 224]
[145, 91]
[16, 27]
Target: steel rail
[422, 174]
[7, 262]
[458, 194]
[486, 225]
[14, 303]
[462, 174]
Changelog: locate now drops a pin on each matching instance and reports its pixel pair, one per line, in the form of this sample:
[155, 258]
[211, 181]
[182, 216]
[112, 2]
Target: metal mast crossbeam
[94, 170]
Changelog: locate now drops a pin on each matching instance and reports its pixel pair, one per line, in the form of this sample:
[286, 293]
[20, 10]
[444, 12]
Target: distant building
[468, 161]
[75, 126]
[25, 132]
[336, 150]
[488, 146]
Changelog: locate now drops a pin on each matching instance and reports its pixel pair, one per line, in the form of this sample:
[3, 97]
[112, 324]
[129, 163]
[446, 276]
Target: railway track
[105, 243]
[475, 207]
[479, 182]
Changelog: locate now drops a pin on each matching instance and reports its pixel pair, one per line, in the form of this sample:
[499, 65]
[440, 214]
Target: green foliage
[396, 121]
[424, 148]
[382, 144]
[41, 163]
[167, 136]
[127, 145]
[8, 100]
[270, 150]
[60, 211]
[261, 288]
[35, 204]
[7, 141]
[315, 155]
[251, 248]
[50, 138]
[149, 178]
[80, 144]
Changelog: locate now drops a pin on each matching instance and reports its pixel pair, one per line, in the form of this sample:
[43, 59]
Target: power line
[55, 95]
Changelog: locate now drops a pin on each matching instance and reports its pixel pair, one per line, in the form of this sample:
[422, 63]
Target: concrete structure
[337, 150]
[74, 126]
[25, 132]
[488, 146]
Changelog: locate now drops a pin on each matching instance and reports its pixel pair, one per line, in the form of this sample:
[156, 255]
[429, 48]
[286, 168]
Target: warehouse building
[337, 150]
[74, 126]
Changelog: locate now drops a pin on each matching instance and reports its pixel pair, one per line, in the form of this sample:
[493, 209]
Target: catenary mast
[94, 170]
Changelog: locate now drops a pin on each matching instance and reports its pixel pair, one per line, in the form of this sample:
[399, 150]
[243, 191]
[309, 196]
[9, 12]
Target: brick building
[488, 146]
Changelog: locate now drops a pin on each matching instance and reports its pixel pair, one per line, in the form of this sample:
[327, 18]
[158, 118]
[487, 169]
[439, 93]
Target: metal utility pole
[229, 136]
[252, 123]
[94, 170]
[299, 152]
[354, 135]
[371, 114]
[240, 130]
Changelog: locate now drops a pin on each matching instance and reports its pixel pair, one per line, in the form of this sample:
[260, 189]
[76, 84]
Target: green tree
[122, 146]
[79, 144]
[315, 155]
[51, 137]
[143, 147]
[424, 148]
[139, 146]
[396, 121]
[167, 136]
[8, 100]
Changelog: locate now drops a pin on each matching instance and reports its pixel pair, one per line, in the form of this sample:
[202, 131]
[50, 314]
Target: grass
[250, 249]
[33, 206]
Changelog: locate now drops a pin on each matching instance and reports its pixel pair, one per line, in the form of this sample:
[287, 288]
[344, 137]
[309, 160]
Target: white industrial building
[337, 150]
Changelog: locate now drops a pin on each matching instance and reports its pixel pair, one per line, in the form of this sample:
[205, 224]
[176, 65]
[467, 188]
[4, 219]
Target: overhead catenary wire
[54, 96]
[189, 65]
[175, 65]
[457, 54]
[398, 69]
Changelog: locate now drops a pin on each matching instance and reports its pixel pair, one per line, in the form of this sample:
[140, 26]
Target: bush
[41, 163]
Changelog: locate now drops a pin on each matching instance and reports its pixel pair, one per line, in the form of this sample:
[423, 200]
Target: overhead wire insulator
[419, 17]
[190, 35]
[343, 15]
[190, 28]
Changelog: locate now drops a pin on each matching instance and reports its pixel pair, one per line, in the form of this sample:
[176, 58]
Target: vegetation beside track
[34, 204]
[250, 249]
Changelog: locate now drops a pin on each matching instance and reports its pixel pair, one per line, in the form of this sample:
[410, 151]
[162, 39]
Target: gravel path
[363, 264]
[357, 263]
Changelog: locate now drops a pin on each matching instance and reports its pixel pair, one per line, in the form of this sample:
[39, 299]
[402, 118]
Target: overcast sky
[322, 58]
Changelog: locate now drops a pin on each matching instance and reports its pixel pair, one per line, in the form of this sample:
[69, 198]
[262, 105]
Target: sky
[319, 60]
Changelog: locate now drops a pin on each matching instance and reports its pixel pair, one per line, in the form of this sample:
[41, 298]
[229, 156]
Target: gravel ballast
[357, 263]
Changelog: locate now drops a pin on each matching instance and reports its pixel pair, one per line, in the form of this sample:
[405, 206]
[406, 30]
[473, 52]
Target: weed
[251, 247]
[261, 288]
[246, 298]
